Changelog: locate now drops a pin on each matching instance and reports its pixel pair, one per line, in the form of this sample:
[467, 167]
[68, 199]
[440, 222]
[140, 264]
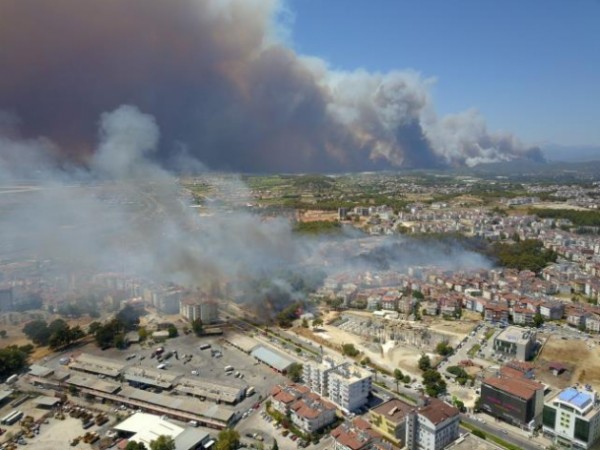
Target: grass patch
[488, 334]
[473, 350]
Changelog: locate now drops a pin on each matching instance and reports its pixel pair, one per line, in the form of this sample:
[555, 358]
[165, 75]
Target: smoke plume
[224, 89]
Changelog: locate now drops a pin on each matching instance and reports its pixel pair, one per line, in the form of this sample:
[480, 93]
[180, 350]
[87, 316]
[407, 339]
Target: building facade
[518, 401]
[389, 419]
[515, 342]
[432, 426]
[572, 418]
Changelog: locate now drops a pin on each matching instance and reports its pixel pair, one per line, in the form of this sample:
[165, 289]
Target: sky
[326, 86]
[531, 67]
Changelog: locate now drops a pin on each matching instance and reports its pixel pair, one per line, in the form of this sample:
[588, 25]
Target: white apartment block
[432, 426]
[345, 385]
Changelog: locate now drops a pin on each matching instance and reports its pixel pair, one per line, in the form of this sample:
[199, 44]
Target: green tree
[433, 382]
[538, 320]
[143, 333]
[444, 349]
[398, 376]
[162, 443]
[350, 350]
[424, 362]
[294, 372]
[275, 446]
[132, 445]
[37, 331]
[93, 327]
[12, 360]
[304, 323]
[317, 322]
[173, 331]
[227, 439]
[407, 379]
[197, 327]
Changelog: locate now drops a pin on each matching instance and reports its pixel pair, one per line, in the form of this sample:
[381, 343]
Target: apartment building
[389, 419]
[432, 426]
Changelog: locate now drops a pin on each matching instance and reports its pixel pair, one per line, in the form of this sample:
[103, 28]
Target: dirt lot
[58, 434]
[458, 328]
[581, 357]
[314, 215]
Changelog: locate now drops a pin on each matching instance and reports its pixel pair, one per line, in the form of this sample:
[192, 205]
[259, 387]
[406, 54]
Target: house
[355, 435]
[310, 413]
[284, 396]
[389, 419]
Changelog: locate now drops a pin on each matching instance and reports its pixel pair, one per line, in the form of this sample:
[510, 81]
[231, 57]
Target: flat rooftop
[181, 403]
[93, 383]
[574, 397]
[272, 358]
[97, 364]
[516, 335]
[519, 387]
[211, 389]
[241, 341]
[150, 377]
[147, 427]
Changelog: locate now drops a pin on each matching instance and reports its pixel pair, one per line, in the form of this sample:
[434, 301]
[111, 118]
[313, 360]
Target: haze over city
[284, 224]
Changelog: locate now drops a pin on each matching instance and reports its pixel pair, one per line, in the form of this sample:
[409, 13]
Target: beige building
[389, 419]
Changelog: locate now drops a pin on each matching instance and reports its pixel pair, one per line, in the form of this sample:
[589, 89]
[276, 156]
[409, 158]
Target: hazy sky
[530, 66]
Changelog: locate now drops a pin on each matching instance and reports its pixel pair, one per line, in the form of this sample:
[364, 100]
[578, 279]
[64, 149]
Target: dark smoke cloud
[222, 87]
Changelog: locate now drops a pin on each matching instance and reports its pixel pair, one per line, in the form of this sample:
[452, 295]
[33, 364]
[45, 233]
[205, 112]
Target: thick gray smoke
[127, 214]
[223, 88]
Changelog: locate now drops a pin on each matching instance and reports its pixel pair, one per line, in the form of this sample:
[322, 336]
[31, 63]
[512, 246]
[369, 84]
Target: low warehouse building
[272, 358]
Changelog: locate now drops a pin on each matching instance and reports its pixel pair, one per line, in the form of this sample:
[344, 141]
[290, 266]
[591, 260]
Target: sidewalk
[540, 440]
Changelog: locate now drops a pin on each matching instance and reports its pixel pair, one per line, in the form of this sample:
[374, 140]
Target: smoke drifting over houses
[125, 213]
[223, 88]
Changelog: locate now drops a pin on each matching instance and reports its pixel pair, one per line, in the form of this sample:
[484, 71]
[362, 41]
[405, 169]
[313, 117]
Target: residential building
[572, 418]
[389, 419]
[355, 435]
[516, 343]
[310, 413]
[284, 396]
[432, 426]
[193, 308]
[345, 385]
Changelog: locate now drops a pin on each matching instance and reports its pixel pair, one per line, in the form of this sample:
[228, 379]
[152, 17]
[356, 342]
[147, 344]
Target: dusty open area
[583, 359]
[57, 434]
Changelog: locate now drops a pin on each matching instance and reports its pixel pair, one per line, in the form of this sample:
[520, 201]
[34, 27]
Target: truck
[161, 366]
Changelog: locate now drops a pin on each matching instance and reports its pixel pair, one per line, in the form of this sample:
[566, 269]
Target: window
[582, 430]
[549, 417]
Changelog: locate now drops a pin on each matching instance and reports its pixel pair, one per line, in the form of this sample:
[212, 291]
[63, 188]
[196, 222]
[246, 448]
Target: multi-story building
[355, 435]
[284, 396]
[389, 419]
[572, 418]
[432, 426]
[345, 385]
[516, 342]
[516, 400]
[204, 309]
[311, 413]
[349, 387]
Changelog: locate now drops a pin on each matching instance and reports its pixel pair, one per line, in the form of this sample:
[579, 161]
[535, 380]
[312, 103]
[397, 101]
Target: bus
[12, 417]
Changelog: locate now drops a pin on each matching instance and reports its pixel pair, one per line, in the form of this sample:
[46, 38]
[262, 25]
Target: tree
[162, 443]
[444, 349]
[424, 362]
[418, 295]
[227, 439]
[317, 322]
[407, 379]
[129, 317]
[197, 327]
[398, 376]
[143, 333]
[37, 331]
[349, 350]
[275, 445]
[3, 334]
[93, 327]
[304, 323]
[538, 320]
[433, 382]
[173, 331]
[12, 360]
[294, 372]
[132, 445]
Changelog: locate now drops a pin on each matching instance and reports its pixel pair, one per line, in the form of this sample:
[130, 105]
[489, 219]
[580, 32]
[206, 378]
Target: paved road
[523, 443]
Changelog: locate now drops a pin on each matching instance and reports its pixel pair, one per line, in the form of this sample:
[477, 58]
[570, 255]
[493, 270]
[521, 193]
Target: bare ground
[581, 357]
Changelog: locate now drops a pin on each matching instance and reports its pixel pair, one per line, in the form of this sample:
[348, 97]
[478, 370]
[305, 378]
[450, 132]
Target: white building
[205, 310]
[432, 426]
[516, 342]
[311, 414]
[572, 418]
[345, 385]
